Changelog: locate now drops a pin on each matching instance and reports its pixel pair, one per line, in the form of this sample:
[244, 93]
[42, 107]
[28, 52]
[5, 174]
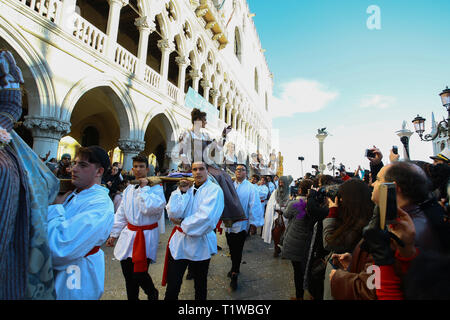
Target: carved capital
[214, 93]
[222, 100]
[182, 60]
[145, 23]
[131, 146]
[166, 45]
[47, 127]
[205, 83]
[195, 73]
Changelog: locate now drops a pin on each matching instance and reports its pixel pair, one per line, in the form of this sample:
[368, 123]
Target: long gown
[193, 147]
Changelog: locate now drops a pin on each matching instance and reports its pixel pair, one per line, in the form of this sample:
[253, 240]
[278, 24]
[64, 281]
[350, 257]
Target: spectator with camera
[350, 210]
[296, 240]
[412, 188]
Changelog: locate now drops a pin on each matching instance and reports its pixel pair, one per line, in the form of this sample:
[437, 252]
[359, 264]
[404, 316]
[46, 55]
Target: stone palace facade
[117, 72]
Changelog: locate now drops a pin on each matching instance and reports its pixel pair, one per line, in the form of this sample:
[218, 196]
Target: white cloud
[301, 95]
[377, 101]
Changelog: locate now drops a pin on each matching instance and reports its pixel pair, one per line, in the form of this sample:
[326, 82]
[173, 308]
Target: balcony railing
[152, 77]
[46, 8]
[89, 34]
[125, 59]
[172, 90]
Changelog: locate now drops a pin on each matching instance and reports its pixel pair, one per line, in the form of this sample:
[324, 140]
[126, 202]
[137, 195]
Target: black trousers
[175, 273]
[299, 271]
[236, 244]
[134, 280]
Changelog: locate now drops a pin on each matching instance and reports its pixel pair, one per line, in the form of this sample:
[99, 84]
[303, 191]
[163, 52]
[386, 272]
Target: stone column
[130, 149]
[112, 29]
[206, 86]
[195, 75]
[166, 48]
[321, 137]
[233, 125]
[47, 132]
[145, 26]
[215, 95]
[228, 121]
[222, 101]
[182, 62]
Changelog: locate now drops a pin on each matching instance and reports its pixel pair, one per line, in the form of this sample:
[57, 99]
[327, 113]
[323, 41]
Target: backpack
[439, 219]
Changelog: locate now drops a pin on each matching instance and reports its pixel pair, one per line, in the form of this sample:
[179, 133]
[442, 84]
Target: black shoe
[219, 248]
[233, 283]
[189, 276]
[154, 295]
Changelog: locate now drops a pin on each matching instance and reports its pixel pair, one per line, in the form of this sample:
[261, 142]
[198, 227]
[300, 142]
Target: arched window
[237, 44]
[256, 81]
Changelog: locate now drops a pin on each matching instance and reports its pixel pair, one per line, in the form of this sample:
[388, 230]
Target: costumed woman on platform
[27, 187]
[196, 145]
[274, 222]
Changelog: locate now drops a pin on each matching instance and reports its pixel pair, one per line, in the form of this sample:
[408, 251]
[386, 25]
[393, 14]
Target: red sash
[94, 250]
[139, 255]
[166, 260]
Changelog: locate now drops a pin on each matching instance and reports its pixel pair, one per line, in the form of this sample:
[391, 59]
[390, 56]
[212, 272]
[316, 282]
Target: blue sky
[331, 71]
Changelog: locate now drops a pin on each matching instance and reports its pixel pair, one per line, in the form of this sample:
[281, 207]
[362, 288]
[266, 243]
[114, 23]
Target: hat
[100, 156]
[444, 155]
[66, 155]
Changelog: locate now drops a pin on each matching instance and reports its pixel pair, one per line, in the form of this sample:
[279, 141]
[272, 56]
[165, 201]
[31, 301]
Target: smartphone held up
[388, 204]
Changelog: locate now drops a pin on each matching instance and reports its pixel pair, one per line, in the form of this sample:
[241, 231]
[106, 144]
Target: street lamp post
[321, 135]
[301, 160]
[331, 165]
[443, 127]
[404, 135]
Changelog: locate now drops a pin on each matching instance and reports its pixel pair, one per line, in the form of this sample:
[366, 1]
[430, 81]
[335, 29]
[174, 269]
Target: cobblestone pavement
[262, 276]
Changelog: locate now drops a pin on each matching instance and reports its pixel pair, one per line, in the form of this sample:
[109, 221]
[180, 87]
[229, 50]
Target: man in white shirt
[195, 212]
[136, 226]
[249, 198]
[79, 222]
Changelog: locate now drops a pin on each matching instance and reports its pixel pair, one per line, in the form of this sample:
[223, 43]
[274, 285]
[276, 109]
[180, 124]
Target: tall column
[215, 95]
[145, 26]
[404, 135]
[195, 75]
[166, 48]
[229, 115]
[233, 125]
[321, 137]
[112, 29]
[182, 62]
[206, 86]
[222, 101]
[47, 132]
[130, 149]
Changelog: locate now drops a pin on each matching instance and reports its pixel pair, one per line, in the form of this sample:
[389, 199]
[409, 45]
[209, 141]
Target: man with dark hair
[64, 167]
[249, 198]
[136, 226]
[195, 211]
[79, 222]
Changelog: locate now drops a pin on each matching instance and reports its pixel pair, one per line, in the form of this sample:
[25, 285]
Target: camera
[369, 154]
[329, 191]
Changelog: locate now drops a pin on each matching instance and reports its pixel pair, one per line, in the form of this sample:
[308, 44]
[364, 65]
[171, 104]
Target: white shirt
[249, 198]
[263, 192]
[75, 228]
[200, 213]
[139, 207]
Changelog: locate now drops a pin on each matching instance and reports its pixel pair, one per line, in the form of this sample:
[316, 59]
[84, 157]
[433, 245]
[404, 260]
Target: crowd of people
[334, 229]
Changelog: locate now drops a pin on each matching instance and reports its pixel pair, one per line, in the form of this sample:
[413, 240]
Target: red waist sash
[166, 260]
[93, 251]
[139, 255]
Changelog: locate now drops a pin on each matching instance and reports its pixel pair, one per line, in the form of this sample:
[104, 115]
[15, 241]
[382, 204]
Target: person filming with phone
[412, 188]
